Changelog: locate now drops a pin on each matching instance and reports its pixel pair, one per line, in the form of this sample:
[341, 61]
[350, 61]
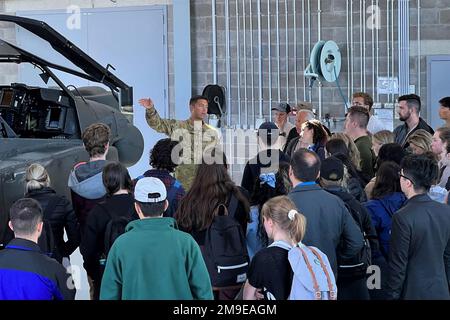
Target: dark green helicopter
[43, 124]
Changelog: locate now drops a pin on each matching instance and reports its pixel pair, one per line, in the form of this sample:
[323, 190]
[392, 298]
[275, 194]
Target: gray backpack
[313, 277]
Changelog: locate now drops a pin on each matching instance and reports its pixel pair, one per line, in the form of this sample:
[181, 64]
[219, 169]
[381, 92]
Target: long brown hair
[212, 186]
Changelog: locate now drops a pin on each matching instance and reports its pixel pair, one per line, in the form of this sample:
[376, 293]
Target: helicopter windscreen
[35, 111]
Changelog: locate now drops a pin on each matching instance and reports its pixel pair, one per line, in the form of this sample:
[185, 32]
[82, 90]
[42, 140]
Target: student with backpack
[163, 168]
[153, 260]
[352, 272]
[387, 199]
[58, 214]
[107, 221]
[288, 269]
[198, 213]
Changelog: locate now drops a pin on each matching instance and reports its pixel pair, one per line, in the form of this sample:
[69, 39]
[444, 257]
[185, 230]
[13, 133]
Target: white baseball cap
[150, 190]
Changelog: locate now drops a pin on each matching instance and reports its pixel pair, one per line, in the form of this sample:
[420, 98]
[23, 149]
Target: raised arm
[155, 122]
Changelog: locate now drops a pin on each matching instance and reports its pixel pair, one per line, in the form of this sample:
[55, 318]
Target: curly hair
[95, 138]
[161, 155]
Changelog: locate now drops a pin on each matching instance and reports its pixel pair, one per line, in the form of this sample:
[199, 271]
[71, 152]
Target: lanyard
[27, 249]
[19, 248]
[304, 184]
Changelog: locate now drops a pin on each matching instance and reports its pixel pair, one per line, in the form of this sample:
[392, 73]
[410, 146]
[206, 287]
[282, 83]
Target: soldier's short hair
[194, 99]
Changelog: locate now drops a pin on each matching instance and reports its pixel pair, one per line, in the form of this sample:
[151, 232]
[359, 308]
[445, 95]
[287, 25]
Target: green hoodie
[154, 261]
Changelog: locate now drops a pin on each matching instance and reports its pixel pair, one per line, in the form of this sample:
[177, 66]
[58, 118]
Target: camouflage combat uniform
[185, 131]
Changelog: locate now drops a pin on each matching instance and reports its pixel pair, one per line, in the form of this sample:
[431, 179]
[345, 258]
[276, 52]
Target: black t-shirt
[270, 270]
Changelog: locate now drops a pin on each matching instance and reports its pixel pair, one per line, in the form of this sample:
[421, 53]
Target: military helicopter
[43, 124]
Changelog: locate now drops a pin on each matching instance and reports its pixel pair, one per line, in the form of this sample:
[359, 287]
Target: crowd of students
[313, 212]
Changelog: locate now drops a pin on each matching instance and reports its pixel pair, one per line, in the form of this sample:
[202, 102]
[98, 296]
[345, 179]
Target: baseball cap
[268, 132]
[283, 107]
[150, 190]
[268, 128]
[304, 105]
[332, 169]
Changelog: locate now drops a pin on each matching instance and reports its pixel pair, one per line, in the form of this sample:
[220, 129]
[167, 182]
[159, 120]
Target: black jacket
[92, 243]
[401, 132]
[290, 147]
[329, 224]
[293, 135]
[63, 217]
[253, 167]
[28, 274]
[419, 255]
[363, 216]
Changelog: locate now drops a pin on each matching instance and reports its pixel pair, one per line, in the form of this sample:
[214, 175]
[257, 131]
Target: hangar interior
[257, 50]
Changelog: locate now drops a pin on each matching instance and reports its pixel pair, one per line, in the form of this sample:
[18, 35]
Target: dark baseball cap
[283, 107]
[268, 126]
[268, 132]
[332, 169]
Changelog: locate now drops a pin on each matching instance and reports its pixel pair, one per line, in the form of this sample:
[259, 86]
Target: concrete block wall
[434, 30]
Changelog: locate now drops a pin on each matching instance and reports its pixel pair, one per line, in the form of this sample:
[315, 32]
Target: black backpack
[47, 240]
[225, 250]
[114, 228]
[359, 264]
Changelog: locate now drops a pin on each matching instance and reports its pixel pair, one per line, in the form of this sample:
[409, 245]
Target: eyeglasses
[405, 177]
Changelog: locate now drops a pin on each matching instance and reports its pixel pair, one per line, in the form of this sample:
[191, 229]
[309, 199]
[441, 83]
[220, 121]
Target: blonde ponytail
[36, 178]
[284, 213]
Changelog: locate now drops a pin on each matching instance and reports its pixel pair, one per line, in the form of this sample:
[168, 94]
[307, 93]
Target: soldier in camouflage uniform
[194, 135]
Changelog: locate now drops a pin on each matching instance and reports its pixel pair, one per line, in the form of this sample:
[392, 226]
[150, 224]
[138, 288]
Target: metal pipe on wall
[269, 53]
[238, 65]
[304, 47]
[361, 44]
[392, 45]
[373, 58]
[347, 8]
[294, 9]
[252, 69]
[277, 14]
[309, 42]
[419, 51]
[228, 65]
[245, 62]
[388, 47]
[214, 40]
[351, 45]
[377, 33]
[400, 37]
[319, 36]
[407, 64]
[260, 79]
[287, 49]
[364, 46]
[403, 41]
